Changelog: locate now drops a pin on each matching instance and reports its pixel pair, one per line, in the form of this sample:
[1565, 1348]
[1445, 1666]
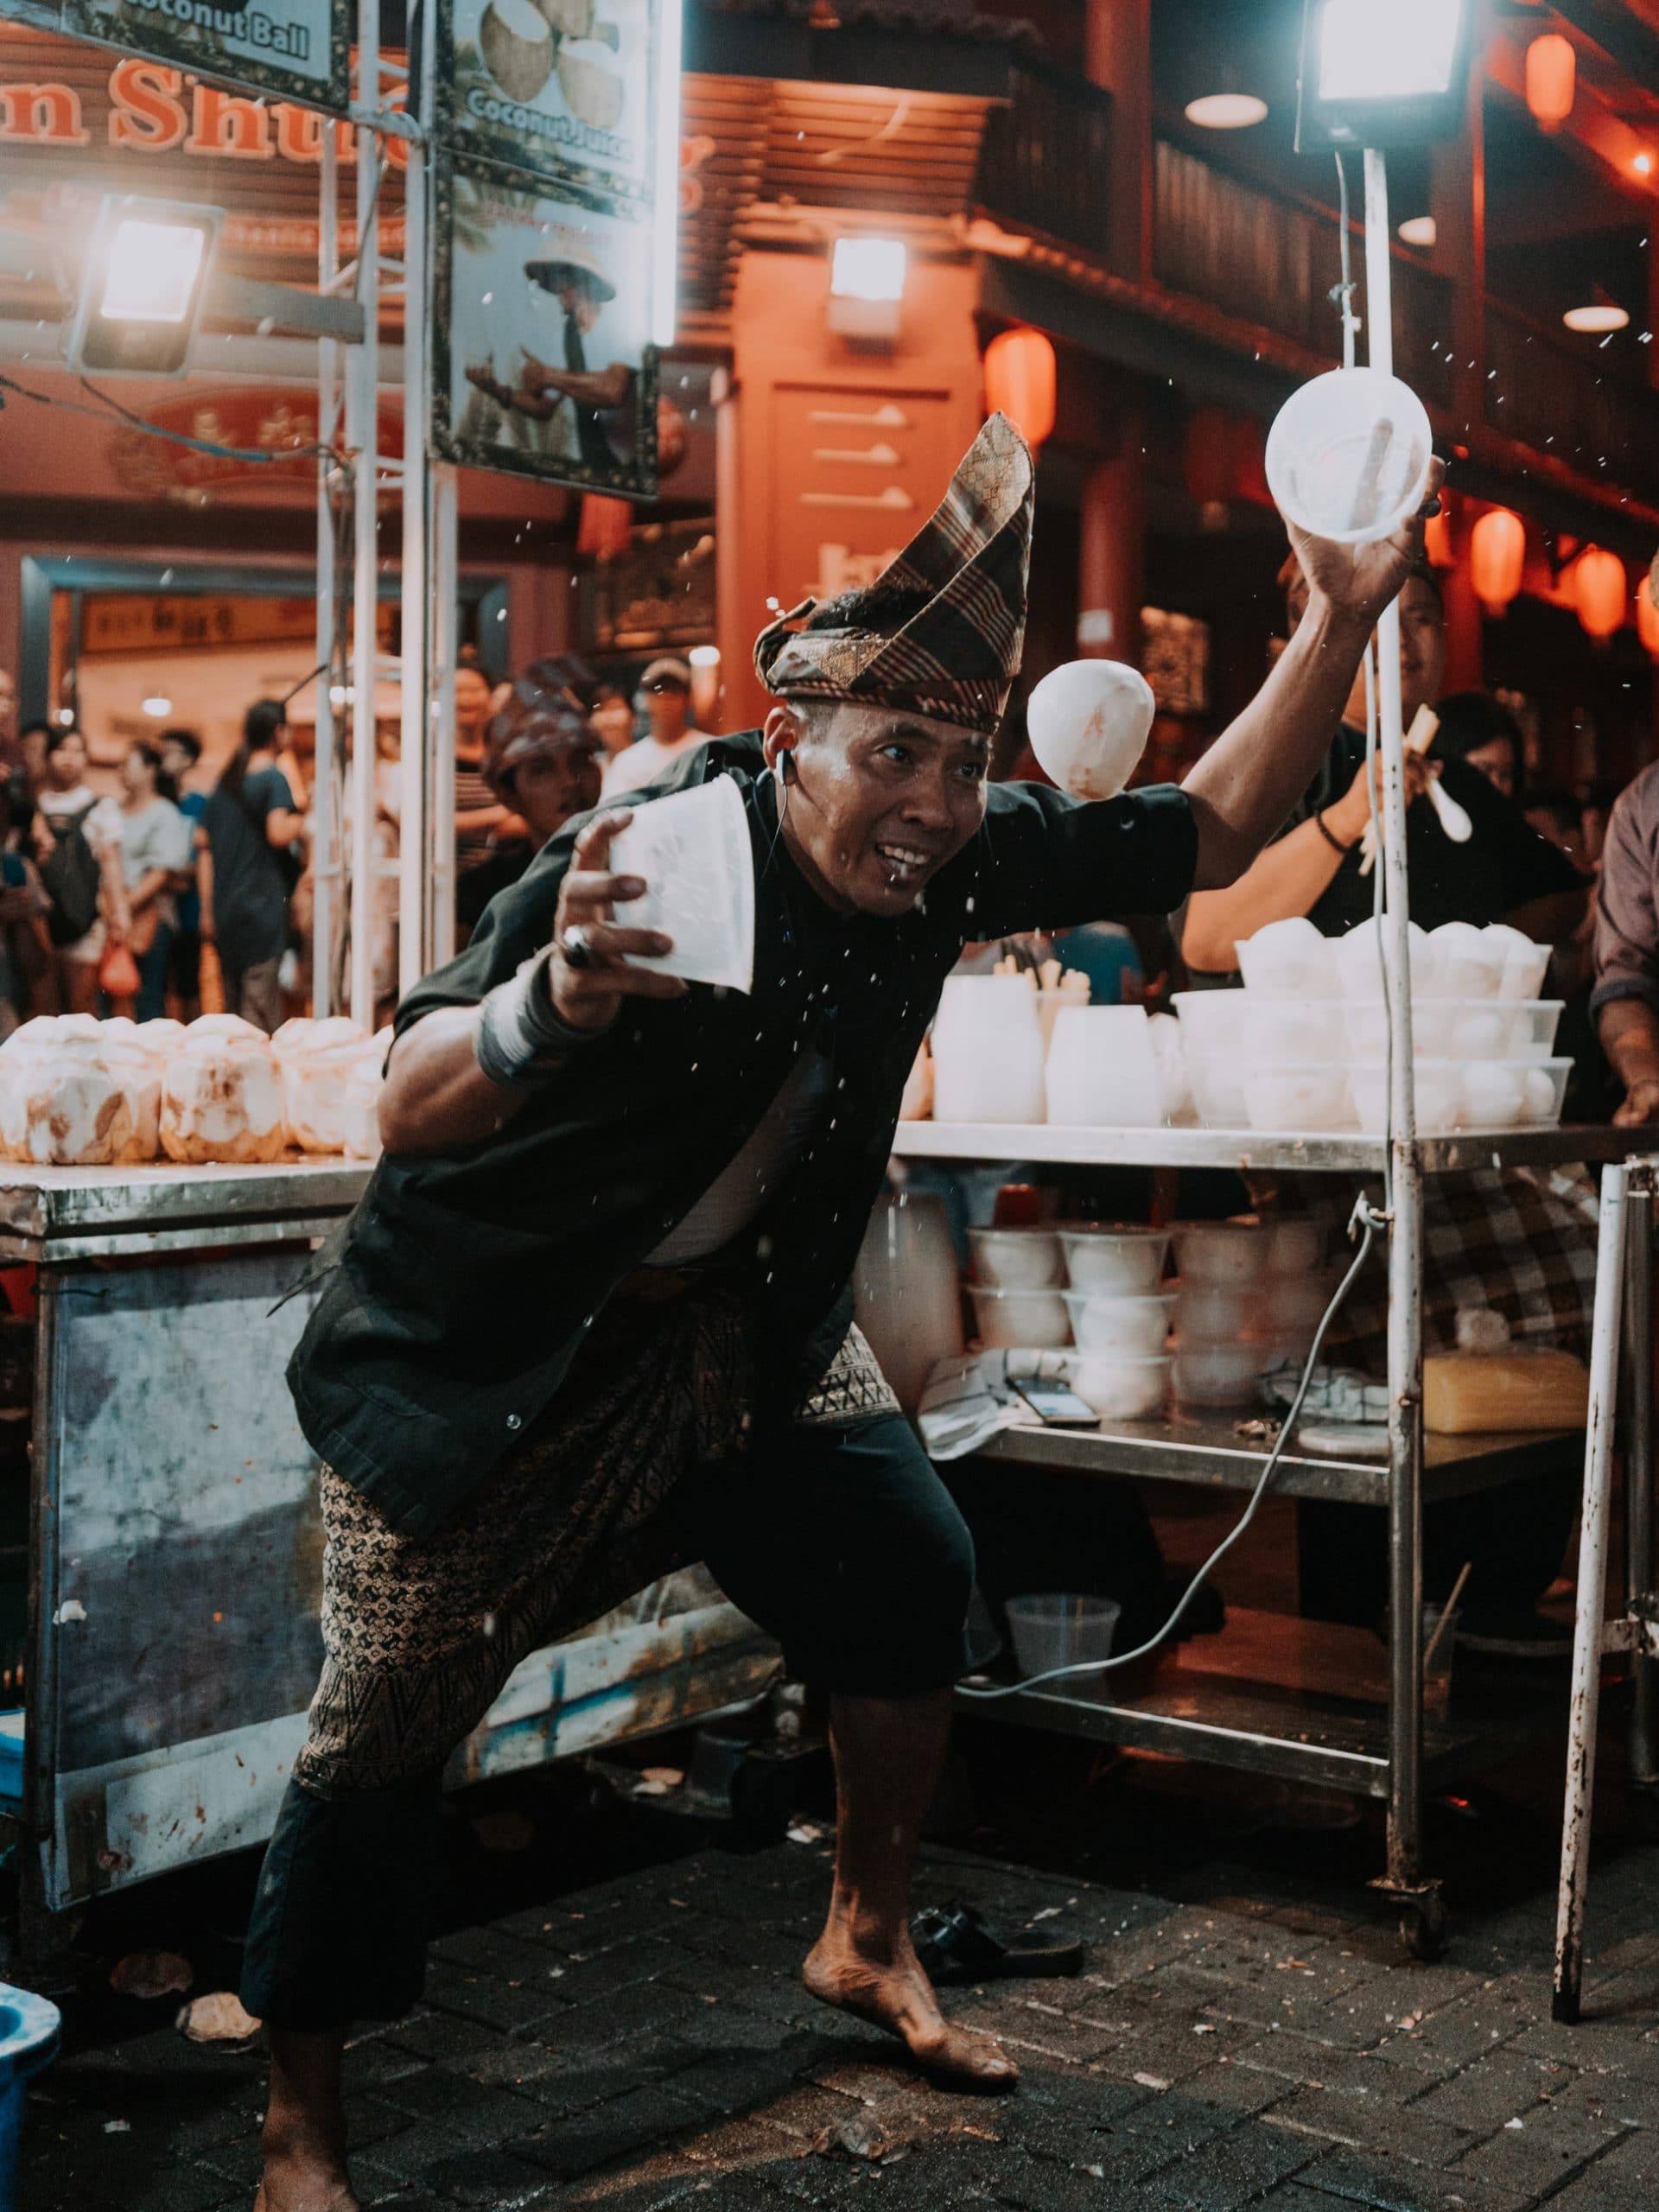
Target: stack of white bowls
[1001, 1054]
[1303, 1047]
[1097, 1288]
[1249, 1294]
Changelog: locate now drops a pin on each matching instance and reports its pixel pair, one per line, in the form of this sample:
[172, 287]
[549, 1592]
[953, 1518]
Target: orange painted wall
[832, 454]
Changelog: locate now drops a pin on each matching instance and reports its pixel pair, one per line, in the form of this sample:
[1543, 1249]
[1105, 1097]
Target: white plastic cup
[987, 1050]
[1054, 1628]
[1103, 1071]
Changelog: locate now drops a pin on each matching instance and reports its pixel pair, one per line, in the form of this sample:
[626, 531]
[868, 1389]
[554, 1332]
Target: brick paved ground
[1253, 2035]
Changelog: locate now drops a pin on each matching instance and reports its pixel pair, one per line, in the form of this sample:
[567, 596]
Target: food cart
[174, 1544]
[1282, 1697]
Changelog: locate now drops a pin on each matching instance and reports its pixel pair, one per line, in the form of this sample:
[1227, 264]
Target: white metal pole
[1406, 1233]
[1612, 1259]
[413, 877]
[363, 431]
[324, 811]
[445, 527]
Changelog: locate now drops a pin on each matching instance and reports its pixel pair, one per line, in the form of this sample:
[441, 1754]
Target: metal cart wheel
[1426, 1926]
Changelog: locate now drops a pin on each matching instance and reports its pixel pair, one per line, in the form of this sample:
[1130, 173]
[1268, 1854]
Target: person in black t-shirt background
[247, 867]
[1506, 873]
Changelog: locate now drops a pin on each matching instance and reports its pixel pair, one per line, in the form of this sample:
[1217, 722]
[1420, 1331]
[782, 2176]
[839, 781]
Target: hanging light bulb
[1498, 553]
[1019, 382]
[1552, 73]
[1601, 591]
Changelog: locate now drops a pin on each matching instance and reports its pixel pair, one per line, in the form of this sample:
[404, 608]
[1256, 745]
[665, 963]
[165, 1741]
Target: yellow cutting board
[1467, 1393]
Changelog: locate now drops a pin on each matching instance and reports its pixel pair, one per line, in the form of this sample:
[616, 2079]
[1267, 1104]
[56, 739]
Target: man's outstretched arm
[438, 1095]
[1252, 776]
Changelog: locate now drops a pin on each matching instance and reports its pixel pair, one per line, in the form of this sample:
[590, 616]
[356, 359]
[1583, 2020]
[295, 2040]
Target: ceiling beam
[1623, 33]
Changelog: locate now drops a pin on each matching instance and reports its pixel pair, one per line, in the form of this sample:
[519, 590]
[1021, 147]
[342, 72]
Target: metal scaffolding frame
[350, 883]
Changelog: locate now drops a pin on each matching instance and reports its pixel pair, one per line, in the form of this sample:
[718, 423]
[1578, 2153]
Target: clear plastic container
[1126, 1259]
[1120, 1388]
[1136, 1326]
[1277, 1031]
[1297, 1242]
[1210, 1021]
[1032, 1319]
[1017, 1259]
[1541, 1107]
[1525, 963]
[1432, 1028]
[1234, 1252]
[1052, 1628]
[1511, 1094]
[1301, 1099]
[1439, 1092]
[1215, 1374]
[1215, 1312]
[1217, 1092]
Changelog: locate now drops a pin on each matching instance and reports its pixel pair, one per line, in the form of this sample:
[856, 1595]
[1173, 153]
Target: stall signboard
[543, 362]
[296, 49]
[567, 88]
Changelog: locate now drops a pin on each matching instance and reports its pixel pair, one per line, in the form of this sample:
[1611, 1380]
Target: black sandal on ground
[957, 1944]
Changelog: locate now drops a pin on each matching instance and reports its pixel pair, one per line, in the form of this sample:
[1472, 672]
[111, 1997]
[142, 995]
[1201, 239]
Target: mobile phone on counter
[1057, 1407]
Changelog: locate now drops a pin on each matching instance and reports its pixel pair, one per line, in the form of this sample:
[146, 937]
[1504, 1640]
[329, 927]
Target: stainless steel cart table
[1312, 1722]
[174, 1542]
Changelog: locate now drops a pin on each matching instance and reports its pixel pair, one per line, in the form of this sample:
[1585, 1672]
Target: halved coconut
[516, 41]
[592, 89]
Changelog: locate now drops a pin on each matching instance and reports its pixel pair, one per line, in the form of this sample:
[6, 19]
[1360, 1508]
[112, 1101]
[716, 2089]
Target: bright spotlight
[1381, 73]
[868, 268]
[156, 706]
[141, 286]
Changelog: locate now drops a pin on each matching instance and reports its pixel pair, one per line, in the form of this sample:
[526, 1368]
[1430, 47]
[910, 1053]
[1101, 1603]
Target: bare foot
[301, 2184]
[895, 1992]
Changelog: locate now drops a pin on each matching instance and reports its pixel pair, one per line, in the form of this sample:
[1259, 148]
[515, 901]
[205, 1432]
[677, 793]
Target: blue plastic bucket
[28, 2041]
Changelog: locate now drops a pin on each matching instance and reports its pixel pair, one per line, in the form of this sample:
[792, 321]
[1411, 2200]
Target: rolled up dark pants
[831, 1530]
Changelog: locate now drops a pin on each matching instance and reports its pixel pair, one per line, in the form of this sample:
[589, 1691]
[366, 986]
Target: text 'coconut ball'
[1089, 722]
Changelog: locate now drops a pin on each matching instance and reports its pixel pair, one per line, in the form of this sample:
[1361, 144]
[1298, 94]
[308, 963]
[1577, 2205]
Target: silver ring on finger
[576, 948]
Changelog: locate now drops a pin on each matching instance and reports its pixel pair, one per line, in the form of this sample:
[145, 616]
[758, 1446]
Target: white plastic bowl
[1032, 1319]
[1525, 963]
[1017, 1259]
[1215, 1374]
[1135, 1326]
[1469, 965]
[1122, 1389]
[1348, 455]
[1290, 960]
[1233, 1252]
[1300, 1099]
[1126, 1261]
[1217, 1091]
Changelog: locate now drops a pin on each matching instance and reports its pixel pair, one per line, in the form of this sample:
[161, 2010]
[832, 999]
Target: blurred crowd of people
[180, 891]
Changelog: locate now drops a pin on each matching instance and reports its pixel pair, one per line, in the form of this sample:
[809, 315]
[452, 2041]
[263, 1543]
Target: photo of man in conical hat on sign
[590, 410]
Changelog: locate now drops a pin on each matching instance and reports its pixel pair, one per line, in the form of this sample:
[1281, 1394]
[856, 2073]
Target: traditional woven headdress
[955, 656]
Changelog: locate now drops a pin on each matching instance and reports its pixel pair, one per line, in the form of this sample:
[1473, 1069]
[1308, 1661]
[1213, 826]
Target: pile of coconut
[77, 1092]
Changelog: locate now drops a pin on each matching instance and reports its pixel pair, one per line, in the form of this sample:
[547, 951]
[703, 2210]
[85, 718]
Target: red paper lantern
[1647, 618]
[1437, 537]
[606, 527]
[1019, 380]
[1498, 553]
[1552, 70]
[1601, 591]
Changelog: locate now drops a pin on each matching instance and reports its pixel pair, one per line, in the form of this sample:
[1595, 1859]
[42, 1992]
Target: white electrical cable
[1366, 1218]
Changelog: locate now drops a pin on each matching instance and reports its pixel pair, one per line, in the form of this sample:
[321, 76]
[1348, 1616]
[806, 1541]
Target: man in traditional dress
[591, 1320]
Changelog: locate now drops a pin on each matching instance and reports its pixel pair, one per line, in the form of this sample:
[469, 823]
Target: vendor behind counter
[1517, 1242]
